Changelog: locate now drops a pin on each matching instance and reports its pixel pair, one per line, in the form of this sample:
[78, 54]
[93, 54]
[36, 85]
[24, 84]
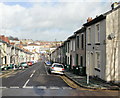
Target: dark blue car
[48, 63]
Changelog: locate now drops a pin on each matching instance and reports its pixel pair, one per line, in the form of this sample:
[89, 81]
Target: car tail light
[62, 69]
[52, 67]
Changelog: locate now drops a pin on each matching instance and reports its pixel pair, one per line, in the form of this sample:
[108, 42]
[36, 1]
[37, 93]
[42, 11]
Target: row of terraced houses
[12, 53]
[94, 48]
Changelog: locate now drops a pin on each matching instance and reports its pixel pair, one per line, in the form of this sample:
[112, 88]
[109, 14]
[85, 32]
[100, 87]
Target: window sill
[89, 44]
[97, 69]
[98, 43]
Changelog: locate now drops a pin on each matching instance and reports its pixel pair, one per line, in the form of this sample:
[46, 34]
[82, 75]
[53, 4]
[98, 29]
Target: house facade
[80, 50]
[10, 54]
[95, 46]
[72, 51]
[102, 45]
[112, 72]
[94, 49]
[67, 55]
[3, 48]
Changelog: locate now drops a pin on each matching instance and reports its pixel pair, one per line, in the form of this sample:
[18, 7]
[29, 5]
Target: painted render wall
[8, 54]
[81, 52]
[113, 46]
[72, 52]
[93, 48]
[68, 53]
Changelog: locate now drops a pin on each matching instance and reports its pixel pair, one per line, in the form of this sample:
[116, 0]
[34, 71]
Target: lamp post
[88, 70]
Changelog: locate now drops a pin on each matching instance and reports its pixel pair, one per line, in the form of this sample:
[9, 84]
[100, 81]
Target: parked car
[24, 65]
[56, 68]
[48, 63]
[2, 67]
[30, 63]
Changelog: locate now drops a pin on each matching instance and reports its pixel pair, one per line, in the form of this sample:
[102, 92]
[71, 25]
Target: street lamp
[88, 70]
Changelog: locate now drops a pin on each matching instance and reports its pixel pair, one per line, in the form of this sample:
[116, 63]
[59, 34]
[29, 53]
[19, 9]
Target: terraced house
[10, 54]
[102, 45]
[94, 48]
[80, 50]
[72, 52]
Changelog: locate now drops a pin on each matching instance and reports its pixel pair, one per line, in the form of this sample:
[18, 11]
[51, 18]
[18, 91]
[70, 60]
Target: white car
[57, 68]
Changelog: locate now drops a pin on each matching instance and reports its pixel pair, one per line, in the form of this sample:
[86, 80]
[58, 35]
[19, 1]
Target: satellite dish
[111, 36]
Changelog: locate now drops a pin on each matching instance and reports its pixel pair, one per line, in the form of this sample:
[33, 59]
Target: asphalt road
[36, 81]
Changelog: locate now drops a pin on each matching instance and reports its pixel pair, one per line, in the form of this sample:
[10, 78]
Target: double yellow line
[6, 74]
[69, 82]
[74, 85]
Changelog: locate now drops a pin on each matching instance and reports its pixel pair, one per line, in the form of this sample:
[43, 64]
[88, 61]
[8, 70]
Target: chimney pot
[89, 19]
[115, 4]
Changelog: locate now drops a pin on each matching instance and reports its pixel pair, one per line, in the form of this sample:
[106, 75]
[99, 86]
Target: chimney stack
[114, 5]
[89, 19]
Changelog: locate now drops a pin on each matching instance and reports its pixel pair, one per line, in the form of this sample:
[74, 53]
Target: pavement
[94, 83]
[5, 72]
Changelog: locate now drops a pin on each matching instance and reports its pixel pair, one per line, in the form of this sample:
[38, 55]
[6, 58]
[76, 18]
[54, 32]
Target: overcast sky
[48, 19]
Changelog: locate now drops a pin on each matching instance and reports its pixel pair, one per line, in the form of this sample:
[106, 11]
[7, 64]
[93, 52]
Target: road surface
[36, 81]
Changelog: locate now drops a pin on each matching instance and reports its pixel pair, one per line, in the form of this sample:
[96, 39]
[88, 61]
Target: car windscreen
[57, 65]
[23, 63]
[49, 62]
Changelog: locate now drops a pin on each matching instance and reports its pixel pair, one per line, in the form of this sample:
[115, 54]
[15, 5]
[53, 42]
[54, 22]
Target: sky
[48, 20]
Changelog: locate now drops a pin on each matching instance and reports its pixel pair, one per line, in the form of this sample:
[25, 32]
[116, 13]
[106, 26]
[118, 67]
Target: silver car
[57, 68]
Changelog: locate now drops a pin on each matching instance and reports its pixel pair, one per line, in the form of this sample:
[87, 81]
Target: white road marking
[41, 87]
[31, 75]
[54, 87]
[66, 88]
[24, 86]
[34, 71]
[14, 87]
[26, 83]
[29, 87]
[2, 87]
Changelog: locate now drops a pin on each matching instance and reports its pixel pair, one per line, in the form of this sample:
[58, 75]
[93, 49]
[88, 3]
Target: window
[89, 35]
[68, 47]
[65, 59]
[77, 41]
[97, 33]
[97, 60]
[82, 41]
[76, 59]
[81, 60]
[65, 47]
[73, 45]
[61, 66]
[68, 60]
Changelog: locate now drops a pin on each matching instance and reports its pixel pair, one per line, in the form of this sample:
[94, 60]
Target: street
[36, 81]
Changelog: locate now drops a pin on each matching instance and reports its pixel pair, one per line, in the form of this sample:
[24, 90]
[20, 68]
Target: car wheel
[49, 71]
